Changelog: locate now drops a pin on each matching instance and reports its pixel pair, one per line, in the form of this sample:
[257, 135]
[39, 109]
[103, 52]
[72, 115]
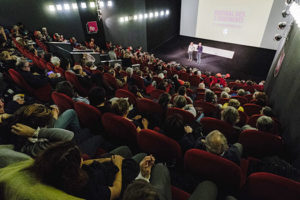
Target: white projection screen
[233, 21]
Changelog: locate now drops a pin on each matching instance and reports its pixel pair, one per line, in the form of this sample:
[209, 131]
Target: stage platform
[242, 62]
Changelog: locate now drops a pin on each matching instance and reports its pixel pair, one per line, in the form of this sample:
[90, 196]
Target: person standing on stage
[199, 53]
[190, 51]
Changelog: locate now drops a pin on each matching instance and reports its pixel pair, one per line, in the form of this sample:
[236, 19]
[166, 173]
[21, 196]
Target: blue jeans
[68, 120]
[199, 58]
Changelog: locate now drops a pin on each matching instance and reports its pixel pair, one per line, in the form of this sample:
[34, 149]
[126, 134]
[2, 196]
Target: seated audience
[121, 107]
[234, 103]
[264, 123]
[181, 102]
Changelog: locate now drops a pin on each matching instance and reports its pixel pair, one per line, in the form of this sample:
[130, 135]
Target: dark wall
[284, 92]
[131, 33]
[87, 15]
[164, 28]
[35, 14]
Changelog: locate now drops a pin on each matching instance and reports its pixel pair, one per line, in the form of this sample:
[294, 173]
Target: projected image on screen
[233, 21]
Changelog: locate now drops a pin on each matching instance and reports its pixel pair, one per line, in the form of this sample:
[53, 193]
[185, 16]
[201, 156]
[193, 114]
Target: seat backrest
[126, 94]
[111, 80]
[187, 116]
[263, 185]
[63, 101]
[184, 76]
[209, 109]
[148, 106]
[161, 146]
[200, 96]
[253, 119]
[223, 100]
[208, 166]
[19, 80]
[139, 82]
[194, 80]
[260, 144]
[120, 129]
[243, 119]
[89, 116]
[276, 124]
[242, 100]
[155, 94]
[71, 77]
[209, 124]
[251, 109]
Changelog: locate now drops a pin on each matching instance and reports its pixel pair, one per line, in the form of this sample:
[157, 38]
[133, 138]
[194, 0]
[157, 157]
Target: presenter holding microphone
[199, 53]
[190, 51]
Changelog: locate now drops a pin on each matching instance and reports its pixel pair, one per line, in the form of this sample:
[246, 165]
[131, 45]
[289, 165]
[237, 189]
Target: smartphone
[51, 72]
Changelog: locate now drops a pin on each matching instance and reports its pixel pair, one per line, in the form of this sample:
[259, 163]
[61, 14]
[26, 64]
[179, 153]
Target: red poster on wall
[92, 27]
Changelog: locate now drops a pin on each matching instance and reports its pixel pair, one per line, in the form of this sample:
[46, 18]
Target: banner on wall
[92, 27]
[279, 63]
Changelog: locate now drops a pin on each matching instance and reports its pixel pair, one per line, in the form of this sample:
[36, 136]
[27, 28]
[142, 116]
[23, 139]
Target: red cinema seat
[42, 94]
[260, 144]
[251, 109]
[208, 166]
[223, 100]
[89, 116]
[242, 100]
[209, 109]
[194, 80]
[126, 94]
[111, 80]
[161, 146]
[147, 106]
[139, 82]
[262, 186]
[63, 101]
[187, 116]
[155, 94]
[121, 130]
[72, 78]
[276, 124]
[178, 194]
[209, 124]
[243, 119]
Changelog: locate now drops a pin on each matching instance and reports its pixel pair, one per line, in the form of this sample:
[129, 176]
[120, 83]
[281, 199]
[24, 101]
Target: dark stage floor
[247, 63]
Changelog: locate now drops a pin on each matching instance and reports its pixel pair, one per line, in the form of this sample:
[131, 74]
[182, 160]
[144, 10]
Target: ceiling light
[66, 6]
[74, 6]
[167, 12]
[109, 4]
[135, 17]
[145, 15]
[150, 15]
[295, 12]
[122, 19]
[92, 4]
[140, 16]
[58, 7]
[156, 14]
[83, 5]
[162, 13]
[101, 4]
[126, 19]
[52, 8]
